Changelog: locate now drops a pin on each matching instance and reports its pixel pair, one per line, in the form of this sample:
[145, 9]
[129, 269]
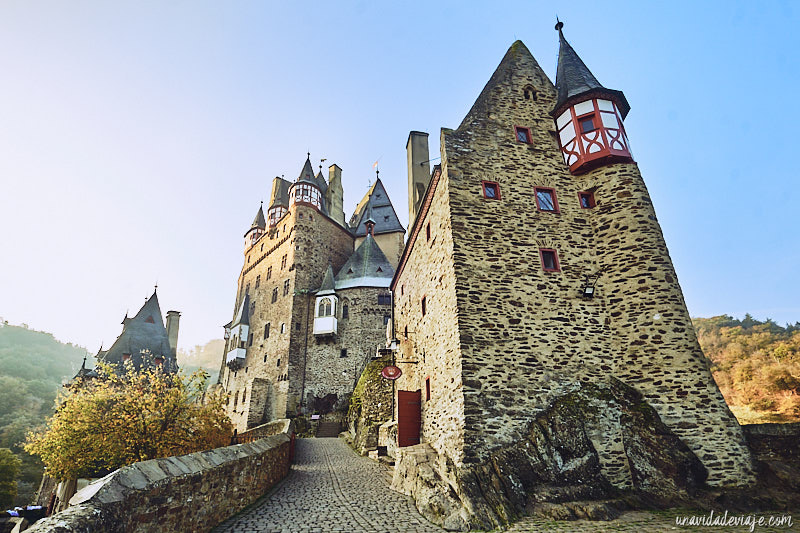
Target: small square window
[546, 199]
[424, 305]
[586, 200]
[343, 352]
[549, 260]
[587, 124]
[522, 134]
[491, 190]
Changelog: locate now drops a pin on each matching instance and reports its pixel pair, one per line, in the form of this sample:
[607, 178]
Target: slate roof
[259, 222]
[328, 284]
[280, 193]
[307, 174]
[574, 79]
[145, 332]
[367, 267]
[243, 314]
[376, 203]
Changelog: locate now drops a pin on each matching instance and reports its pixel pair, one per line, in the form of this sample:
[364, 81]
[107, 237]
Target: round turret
[306, 189]
[588, 116]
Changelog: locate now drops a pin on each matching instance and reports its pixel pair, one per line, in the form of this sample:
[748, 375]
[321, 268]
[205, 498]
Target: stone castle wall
[525, 335]
[329, 371]
[193, 492]
[432, 340]
[272, 376]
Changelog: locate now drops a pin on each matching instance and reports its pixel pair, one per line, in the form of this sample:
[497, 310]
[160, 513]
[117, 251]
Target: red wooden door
[409, 417]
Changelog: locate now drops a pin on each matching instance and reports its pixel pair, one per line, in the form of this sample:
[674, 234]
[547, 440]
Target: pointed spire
[574, 80]
[307, 174]
[328, 285]
[259, 222]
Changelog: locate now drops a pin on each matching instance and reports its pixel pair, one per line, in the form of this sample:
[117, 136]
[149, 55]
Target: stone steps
[328, 429]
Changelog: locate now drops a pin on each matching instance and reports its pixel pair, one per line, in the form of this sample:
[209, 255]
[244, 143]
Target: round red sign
[391, 372]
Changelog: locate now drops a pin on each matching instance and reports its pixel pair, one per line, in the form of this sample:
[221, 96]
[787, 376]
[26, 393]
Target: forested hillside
[756, 365]
[33, 365]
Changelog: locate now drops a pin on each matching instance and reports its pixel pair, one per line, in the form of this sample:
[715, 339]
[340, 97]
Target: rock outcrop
[589, 452]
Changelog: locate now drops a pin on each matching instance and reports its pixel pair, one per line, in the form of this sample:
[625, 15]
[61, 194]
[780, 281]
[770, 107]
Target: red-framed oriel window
[586, 199]
[523, 134]
[491, 190]
[549, 259]
[546, 199]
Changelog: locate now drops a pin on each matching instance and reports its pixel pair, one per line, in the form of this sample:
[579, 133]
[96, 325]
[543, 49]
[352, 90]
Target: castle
[533, 297]
[312, 302]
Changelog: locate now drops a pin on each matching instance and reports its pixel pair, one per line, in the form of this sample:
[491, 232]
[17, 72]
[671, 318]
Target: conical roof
[243, 314]
[377, 205]
[367, 267]
[144, 333]
[328, 286]
[259, 222]
[307, 174]
[574, 79]
[321, 183]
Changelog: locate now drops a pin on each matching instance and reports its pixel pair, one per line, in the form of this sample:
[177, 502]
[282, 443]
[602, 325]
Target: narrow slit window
[546, 199]
[424, 305]
[427, 389]
[549, 260]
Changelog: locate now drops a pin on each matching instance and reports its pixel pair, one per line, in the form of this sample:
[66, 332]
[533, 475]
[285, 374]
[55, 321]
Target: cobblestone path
[331, 489]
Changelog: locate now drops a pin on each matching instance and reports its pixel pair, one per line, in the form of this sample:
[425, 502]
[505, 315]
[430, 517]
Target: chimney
[173, 320]
[419, 172]
[334, 196]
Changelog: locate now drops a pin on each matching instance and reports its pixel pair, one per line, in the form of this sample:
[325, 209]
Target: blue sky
[137, 138]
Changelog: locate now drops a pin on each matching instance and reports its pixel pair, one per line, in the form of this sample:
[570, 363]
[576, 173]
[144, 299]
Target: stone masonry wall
[189, 493]
[272, 377]
[432, 340]
[328, 371]
[526, 335]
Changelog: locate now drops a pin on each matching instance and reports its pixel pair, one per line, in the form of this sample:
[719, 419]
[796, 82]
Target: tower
[535, 268]
[312, 300]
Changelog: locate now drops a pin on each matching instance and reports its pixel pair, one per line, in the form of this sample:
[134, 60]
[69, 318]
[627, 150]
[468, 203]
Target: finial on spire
[308, 155]
[559, 24]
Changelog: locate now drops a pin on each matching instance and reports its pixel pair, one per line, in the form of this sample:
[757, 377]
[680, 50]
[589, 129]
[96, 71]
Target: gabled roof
[243, 314]
[145, 332]
[328, 285]
[574, 79]
[367, 267]
[376, 203]
[280, 193]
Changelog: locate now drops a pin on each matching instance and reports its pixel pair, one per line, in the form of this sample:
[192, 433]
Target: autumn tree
[9, 468]
[118, 419]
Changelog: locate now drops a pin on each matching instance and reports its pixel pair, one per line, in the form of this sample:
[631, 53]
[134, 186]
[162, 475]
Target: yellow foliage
[116, 420]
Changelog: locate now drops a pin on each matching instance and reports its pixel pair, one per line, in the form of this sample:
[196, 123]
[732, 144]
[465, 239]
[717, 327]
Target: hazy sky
[137, 138]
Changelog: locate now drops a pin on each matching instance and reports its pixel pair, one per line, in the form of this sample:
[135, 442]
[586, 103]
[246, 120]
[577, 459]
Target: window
[250, 340]
[269, 272]
[587, 124]
[275, 295]
[402, 290]
[428, 231]
[491, 189]
[549, 260]
[386, 319]
[424, 305]
[345, 310]
[265, 358]
[247, 288]
[385, 299]
[343, 353]
[546, 199]
[523, 134]
[530, 93]
[283, 262]
[283, 327]
[405, 332]
[286, 287]
[325, 307]
[586, 200]
[297, 326]
[427, 389]
[278, 364]
[258, 280]
[266, 330]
